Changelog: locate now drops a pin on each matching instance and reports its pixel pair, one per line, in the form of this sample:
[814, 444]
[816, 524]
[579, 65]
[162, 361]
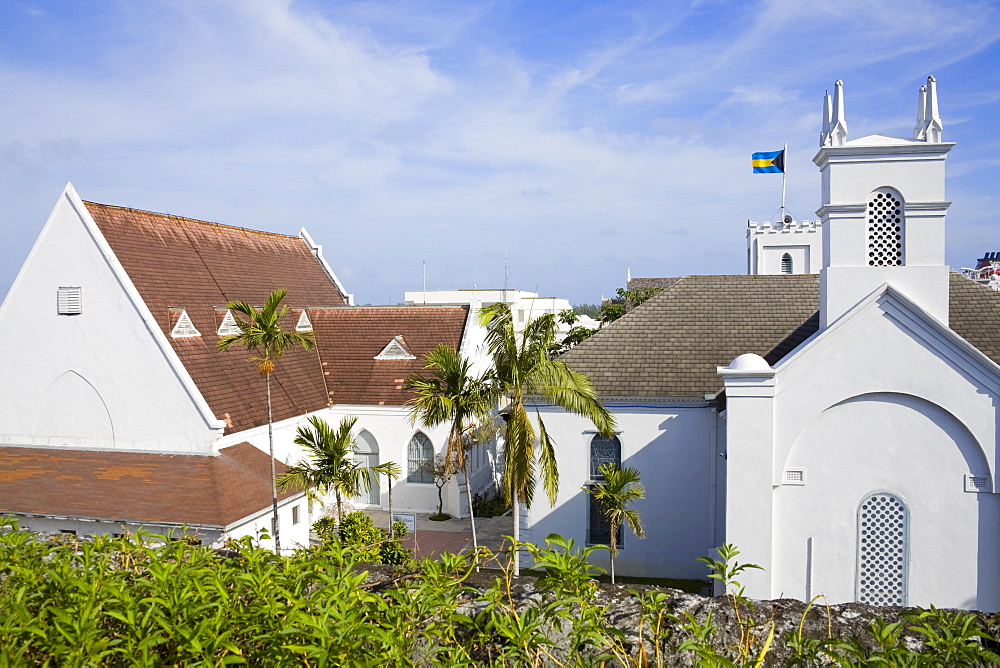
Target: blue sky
[587, 138]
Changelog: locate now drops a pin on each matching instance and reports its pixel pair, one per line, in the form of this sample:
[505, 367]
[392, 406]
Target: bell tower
[883, 211]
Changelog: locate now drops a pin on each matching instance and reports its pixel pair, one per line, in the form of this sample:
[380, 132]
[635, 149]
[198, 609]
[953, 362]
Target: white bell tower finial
[920, 129]
[838, 121]
[824, 135]
[933, 128]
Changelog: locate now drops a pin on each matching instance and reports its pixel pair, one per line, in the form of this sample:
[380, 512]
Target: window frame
[419, 474]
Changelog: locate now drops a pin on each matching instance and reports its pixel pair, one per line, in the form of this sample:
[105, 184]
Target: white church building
[119, 413]
[839, 429]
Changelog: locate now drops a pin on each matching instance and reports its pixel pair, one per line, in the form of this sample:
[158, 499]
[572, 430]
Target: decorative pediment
[395, 350]
[229, 327]
[184, 328]
[304, 324]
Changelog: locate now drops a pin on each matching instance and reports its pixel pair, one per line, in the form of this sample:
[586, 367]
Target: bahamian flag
[769, 163]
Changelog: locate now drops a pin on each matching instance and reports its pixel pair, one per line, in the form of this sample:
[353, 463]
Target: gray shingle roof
[671, 345]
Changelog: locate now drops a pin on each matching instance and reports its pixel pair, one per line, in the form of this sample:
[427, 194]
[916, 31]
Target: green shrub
[489, 506]
[367, 543]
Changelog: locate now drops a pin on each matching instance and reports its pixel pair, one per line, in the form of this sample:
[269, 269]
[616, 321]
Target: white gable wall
[904, 407]
[104, 379]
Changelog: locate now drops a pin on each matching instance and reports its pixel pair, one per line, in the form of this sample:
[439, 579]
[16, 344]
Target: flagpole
[784, 174]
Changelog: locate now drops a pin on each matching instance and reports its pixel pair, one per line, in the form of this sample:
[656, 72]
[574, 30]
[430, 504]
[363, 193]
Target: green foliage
[489, 506]
[367, 543]
[619, 489]
[329, 463]
[140, 600]
[589, 310]
[626, 301]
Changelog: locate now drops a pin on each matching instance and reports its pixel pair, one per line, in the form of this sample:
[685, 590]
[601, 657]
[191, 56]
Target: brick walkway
[433, 543]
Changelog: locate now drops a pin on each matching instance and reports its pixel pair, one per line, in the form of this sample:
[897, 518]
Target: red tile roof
[202, 490]
[180, 262]
[348, 340]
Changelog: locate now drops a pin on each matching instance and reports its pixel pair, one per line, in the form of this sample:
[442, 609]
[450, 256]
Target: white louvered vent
[304, 324]
[184, 327]
[794, 477]
[883, 537]
[69, 301]
[395, 350]
[228, 326]
[977, 483]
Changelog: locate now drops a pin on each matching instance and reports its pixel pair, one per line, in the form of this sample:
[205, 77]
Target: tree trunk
[336, 494]
[614, 549]
[392, 532]
[275, 531]
[472, 515]
[517, 536]
[440, 500]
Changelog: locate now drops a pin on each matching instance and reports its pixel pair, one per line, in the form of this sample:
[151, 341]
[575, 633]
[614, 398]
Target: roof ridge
[191, 220]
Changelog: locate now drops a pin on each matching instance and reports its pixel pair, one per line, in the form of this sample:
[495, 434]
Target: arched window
[420, 458]
[786, 264]
[886, 226]
[883, 549]
[604, 450]
[366, 454]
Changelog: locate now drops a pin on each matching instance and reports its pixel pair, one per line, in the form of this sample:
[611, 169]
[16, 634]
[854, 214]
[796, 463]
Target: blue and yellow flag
[768, 163]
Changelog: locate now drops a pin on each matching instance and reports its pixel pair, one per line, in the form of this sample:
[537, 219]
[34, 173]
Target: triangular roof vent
[229, 326]
[396, 350]
[184, 327]
[304, 324]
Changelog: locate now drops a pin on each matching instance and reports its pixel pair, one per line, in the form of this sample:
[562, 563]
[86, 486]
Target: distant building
[785, 246]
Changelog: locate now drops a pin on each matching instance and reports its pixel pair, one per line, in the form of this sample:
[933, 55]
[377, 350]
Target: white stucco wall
[101, 379]
[294, 535]
[903, 406]
[674, 446]
[391, 428]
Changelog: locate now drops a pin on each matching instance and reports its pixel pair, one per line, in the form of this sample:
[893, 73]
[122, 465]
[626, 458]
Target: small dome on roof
[749, 362]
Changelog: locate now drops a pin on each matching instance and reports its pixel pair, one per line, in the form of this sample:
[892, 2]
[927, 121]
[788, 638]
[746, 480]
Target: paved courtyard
[455, 535]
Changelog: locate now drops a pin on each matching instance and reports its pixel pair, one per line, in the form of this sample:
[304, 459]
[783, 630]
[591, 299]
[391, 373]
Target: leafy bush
[489, 506]
[358, 533]
[143, 601]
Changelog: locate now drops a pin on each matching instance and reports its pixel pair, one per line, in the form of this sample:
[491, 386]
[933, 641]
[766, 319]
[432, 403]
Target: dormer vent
[395, 350]
[184, 327]
[229, 327]
[304, 324]
[69, 301]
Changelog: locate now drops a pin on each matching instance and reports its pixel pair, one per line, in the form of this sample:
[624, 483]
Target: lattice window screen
[604, 450]
[303, 325]
[420, 457]
[883, 539]
[885, 230]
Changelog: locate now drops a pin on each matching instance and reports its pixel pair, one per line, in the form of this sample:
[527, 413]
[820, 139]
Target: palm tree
[619, 490]
[523, 369]
[329, 464]
[261, 334]
[391, 470]
[452, 394]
